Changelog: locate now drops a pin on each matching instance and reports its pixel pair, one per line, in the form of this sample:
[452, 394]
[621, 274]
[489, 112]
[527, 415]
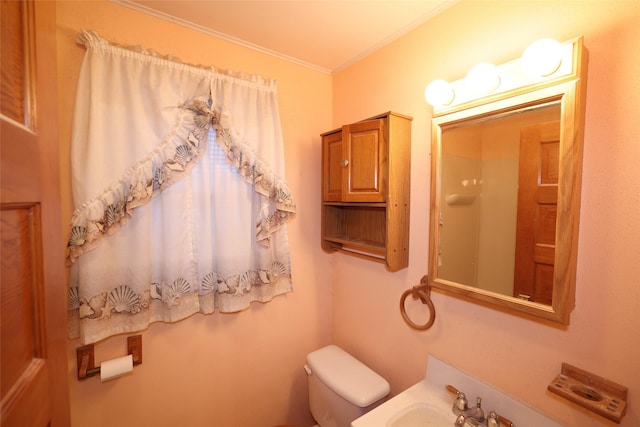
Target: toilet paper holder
[86, 362]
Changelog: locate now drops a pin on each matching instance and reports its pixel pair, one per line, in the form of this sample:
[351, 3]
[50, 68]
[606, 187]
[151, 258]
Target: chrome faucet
[474, 415]
[492, 420]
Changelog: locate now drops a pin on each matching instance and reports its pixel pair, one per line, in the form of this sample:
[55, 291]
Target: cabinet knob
[344, 163]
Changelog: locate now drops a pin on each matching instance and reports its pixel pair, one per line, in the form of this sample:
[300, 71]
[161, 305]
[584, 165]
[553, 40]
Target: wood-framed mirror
[505, 189]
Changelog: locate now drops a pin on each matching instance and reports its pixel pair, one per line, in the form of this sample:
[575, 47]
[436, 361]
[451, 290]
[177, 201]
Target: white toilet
[341, 388]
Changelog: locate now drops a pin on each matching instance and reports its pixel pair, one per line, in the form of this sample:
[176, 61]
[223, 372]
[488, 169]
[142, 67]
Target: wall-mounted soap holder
[591, 391]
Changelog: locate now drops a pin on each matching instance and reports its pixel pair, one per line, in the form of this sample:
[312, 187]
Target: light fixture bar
[485, 82]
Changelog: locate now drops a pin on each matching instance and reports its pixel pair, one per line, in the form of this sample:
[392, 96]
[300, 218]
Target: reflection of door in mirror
[480, 232]
[537, 209]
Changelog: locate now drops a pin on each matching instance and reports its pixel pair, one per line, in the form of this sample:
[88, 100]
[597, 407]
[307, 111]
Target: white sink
[421, 405]
[428, 403]
[421, 414]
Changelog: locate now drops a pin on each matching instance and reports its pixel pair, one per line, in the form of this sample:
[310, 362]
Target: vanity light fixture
[542, 61]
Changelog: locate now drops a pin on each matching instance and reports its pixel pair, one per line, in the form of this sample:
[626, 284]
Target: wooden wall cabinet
[366, 168]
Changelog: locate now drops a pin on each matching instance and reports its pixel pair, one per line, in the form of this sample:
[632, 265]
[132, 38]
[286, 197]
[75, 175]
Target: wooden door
[33, 385]
[365, 148]
[537, 211]
[332, 166]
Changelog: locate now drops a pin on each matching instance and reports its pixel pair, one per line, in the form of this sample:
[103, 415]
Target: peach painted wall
[220, 370]
[517, 354]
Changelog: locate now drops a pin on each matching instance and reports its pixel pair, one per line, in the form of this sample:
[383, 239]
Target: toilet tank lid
[347, 376]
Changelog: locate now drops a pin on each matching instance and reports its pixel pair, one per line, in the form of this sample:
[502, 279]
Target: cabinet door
[364, 176]
[332, 169]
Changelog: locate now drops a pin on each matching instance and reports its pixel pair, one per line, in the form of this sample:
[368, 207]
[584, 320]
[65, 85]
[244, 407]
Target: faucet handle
[492, 420]
[451, 389]
[461, 402]
[505, 421]
[495, 420]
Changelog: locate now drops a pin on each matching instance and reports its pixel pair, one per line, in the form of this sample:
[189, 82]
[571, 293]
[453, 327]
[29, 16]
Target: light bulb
[542, 57]
[483, 78]
[439, 93]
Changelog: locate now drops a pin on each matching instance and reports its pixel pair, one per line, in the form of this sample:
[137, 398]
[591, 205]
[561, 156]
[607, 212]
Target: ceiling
[327, 35]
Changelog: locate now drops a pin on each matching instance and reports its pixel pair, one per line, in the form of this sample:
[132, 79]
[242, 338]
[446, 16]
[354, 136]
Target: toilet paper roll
[115, 368]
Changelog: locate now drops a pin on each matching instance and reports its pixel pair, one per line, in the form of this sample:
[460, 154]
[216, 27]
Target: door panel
[537, 212]
[24, 370]
[33, 388]
[15, 94]
[22, 321]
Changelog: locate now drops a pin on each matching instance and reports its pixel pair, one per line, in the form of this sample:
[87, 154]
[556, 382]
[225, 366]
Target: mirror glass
[488, 176]
[505, 198]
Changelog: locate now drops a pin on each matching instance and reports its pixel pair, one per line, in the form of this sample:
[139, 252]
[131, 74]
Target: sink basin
[421, 414]
[421, 405]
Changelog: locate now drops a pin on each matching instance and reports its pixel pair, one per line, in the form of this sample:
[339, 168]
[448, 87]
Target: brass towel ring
[422, 292]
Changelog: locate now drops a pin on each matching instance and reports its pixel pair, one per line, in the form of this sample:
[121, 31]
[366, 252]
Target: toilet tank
[341, 388]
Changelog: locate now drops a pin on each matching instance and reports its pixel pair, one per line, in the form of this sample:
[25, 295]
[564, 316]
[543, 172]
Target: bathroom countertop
[431, 393]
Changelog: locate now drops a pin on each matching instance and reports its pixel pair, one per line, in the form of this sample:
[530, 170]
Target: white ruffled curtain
[178, 183]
